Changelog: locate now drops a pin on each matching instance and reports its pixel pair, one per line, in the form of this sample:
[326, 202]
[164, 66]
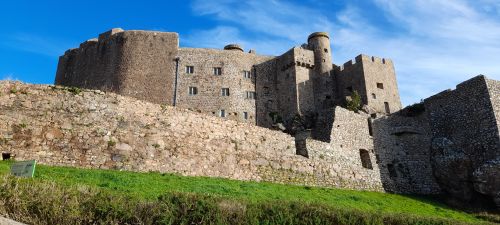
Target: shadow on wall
[402, 149]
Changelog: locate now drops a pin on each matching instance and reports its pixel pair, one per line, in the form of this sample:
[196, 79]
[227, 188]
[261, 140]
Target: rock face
[452, 169]
[486, 180]
[465, 140]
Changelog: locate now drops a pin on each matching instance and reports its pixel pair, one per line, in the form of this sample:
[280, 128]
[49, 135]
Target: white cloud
[435, 44]
[35, 44]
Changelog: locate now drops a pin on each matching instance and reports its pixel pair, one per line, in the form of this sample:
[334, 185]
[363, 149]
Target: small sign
[23, 168]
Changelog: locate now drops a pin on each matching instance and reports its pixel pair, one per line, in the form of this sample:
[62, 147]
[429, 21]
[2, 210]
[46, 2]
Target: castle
[228, 83]
[447, 144]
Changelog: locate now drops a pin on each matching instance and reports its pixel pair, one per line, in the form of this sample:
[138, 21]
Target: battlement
[348, 65]
[372, 59]
[297, 56]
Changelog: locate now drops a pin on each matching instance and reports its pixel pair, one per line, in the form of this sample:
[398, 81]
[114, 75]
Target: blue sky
[435, 44]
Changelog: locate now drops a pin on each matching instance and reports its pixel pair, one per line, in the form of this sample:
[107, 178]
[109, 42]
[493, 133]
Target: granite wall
[93, 129]
[134, 63]
[465, 140]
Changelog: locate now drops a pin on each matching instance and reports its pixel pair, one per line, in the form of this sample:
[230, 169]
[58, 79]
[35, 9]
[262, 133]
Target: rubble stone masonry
[93, 129]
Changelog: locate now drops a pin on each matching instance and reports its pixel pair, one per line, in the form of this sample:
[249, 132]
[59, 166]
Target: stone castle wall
[209, 99]
[151, 66]
[374, 79]
[402, 146]
[93, 129]
[465, 138]
[133, 63]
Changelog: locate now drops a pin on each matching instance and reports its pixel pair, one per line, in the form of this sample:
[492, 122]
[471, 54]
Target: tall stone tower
[319, 43]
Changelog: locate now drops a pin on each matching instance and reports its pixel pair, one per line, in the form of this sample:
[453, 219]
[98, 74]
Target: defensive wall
[465, 141]
[381, 148]
[93, 129]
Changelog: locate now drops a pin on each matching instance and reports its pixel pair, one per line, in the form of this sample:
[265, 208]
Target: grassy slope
[152, 185]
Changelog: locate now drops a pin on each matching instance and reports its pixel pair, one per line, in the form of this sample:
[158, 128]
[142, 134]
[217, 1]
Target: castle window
[245, 115]
[374, 96]
[189, 69]
[365, 159]
[193, 91]
[217, 71]
[287, 75]
[380, 85]
[224, 92]
[370, 128]
[326, 50]
[222, 113]
[349, 89]
[250, 95]
[387, 108]
[247, 74]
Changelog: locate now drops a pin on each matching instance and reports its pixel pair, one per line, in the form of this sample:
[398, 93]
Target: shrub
[354, 104]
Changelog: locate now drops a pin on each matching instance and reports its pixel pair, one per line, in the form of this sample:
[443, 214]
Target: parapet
[318, 34]
[373, 59]
[233, 47]
[465, 86]
[109, 33]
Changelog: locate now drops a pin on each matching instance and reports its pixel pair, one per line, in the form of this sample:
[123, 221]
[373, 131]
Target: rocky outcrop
[486, 180]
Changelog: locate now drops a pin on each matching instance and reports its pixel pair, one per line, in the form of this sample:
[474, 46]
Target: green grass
[151, 186]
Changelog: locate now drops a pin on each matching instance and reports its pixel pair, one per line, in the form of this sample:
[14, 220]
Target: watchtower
[319, 43]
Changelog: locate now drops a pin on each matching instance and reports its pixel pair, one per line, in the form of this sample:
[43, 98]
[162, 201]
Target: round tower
[319, 42]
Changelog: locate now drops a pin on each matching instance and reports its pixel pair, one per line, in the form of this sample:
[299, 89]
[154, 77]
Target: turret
[319, 42]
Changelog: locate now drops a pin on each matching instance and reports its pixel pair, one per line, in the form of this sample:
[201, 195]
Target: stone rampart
[93, 129]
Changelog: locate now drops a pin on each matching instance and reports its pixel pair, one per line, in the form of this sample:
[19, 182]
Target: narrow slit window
[387, 108]
[370, 127]
[222, 113]
[245, 115]
[374, 96]
[365, 159]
